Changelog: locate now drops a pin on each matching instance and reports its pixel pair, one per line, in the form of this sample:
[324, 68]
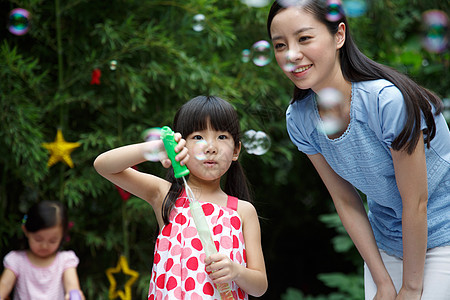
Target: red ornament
[96, 74]
[123, 194]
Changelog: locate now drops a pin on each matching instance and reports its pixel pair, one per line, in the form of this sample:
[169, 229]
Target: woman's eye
[279, 46]
[304, 38]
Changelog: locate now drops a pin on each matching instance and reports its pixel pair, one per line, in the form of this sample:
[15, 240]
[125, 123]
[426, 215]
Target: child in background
[180, 268]
[42, 271]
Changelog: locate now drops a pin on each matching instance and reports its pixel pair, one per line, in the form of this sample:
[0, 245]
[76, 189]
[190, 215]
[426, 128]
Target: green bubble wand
[204, 232]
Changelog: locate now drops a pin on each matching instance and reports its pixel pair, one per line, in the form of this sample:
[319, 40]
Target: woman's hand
[407, 294]
[221, 269]
[386, 292]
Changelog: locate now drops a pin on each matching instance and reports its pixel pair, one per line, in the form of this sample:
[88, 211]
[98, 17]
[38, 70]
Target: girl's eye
[197, 137]
[222, 137]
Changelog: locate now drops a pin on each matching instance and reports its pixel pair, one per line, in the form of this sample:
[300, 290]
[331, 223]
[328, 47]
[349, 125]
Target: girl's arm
[411, 177]
[71, 282]
[353, 215]
[7, 282]
[252, 279]
[116, 166]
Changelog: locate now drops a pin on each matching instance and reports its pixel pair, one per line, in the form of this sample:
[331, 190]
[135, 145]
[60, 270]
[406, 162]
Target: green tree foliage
[161, 63]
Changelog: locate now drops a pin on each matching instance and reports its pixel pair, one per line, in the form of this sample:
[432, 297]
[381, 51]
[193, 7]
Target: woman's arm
[7, 282]
[71, 282]
[353, 215]
[411, 177]
[252, 279]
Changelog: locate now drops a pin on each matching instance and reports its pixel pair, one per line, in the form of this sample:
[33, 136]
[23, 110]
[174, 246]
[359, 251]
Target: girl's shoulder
[68, 258]
[246, 210]
[14, 256]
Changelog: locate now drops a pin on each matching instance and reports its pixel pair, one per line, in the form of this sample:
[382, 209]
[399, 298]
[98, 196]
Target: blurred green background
[163, 62]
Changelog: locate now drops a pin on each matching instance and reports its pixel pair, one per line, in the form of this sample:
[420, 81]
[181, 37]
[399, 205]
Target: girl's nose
[211, 148]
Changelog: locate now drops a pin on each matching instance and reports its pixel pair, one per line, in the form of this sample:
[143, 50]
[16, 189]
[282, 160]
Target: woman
[394, 147]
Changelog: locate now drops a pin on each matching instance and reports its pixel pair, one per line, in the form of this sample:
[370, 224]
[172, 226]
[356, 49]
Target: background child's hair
[356, 67]
[194, 116]
[46, 214]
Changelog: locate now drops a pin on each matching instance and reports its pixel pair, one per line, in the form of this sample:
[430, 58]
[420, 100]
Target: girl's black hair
[196, 115]
[356, 67]
[46, 214]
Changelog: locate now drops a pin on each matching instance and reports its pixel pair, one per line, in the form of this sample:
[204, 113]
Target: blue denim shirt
[361, 155]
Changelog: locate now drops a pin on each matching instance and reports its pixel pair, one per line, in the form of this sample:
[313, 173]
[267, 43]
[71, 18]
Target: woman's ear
[340, 36]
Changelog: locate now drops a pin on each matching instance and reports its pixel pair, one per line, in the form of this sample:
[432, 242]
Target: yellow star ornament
[121, 265]
[60, 150]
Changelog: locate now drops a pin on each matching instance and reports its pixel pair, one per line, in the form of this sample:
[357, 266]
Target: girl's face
[43, 243]
[211, 153]
[305, 49]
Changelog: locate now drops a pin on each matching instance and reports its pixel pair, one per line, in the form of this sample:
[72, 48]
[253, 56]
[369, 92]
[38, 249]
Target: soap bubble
[199, 149]
[354, 8]
[256, 3]
[329, 98]
[153, 153]
[289, 3]
[256, 142]
[329, 101]
[289, 65]
[198, 22]
[446, 111]
[436, 30]
[261, 53]
[113, 65]
[246, 55]
[18, 21]
[334, 10]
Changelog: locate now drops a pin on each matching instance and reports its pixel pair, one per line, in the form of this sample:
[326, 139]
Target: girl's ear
[24, 230]
[340, 36]
[236, 152]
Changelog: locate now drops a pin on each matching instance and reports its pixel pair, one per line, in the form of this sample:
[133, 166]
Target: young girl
[41, 271]
[180, 268]
[394, 147]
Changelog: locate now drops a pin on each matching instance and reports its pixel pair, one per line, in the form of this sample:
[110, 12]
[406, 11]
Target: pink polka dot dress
[179, 260]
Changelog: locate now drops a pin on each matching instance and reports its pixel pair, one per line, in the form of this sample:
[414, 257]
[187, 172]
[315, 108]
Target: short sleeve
[69, 259]
[297, 131]
[12, 261]
[392, 113]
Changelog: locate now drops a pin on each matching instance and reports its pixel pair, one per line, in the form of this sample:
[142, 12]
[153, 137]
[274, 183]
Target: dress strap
[232, 203]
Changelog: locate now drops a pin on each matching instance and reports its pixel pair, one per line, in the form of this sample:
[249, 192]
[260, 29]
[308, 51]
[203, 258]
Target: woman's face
[305, 50]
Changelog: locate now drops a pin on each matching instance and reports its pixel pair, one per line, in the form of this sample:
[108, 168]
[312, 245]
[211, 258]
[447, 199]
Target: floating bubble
[113, 65]
[289, 3]
[256, 3]
[246, 53]
[289, 65]
[329, 101]
[198, 22]
[436, 31]
[354, 8]
[18, 21]
[446, 110]
[329, 98]
[256, 142]
[334, 10]
[152, 153]
[261, 53]
[199, 149]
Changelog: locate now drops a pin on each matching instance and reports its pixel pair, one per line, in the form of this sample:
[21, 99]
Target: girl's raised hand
[181, 149]
[221, 269]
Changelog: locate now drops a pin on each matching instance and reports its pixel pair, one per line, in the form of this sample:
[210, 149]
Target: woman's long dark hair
[356, 67]
[194, 116]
